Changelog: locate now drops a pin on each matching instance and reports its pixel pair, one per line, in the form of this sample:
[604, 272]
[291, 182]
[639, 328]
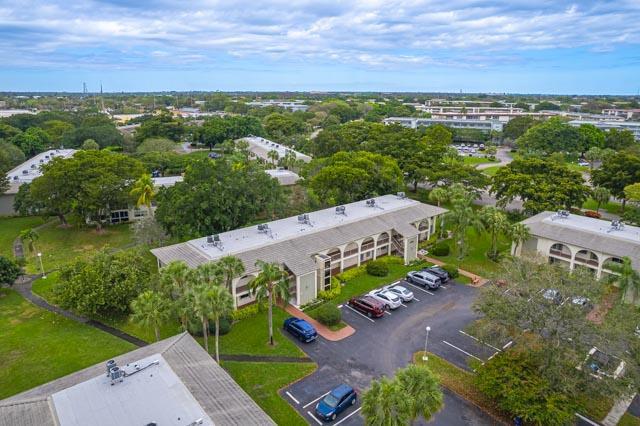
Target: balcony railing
[590, 262]
[559, 253]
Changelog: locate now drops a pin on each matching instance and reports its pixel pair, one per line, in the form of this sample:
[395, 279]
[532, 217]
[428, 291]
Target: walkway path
[617, 411]
[504, 157]
[476, 280]
[23, 286]
[264, 358]
[322, 329]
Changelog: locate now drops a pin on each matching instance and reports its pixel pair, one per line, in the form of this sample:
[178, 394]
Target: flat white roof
[598, 226]
[243, 239]
[154, 394]
[167, 180]
[262, 146]
[30, 169]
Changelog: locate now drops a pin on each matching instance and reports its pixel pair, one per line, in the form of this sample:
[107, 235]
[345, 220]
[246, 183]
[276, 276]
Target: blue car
[338, 400]
[300, 329]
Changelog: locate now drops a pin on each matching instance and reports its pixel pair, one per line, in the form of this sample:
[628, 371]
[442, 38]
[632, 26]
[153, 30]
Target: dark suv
[300, 329]
[368, 306]
[438, 272]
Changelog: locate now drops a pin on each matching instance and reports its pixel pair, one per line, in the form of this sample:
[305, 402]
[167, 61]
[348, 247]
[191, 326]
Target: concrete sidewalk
[322, 329]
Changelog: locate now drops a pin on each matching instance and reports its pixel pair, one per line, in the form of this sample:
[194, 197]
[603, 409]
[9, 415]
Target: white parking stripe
[402, 304]
[509, 343]
[421, 289]
[363, 316]
[416, 299]
[321, 396]
[443, 286]
[478, 340]
[314, 418]
[387, 312]
[591, 422]
[351, 414]
[494, 354]
[463, 351]
[291, 396]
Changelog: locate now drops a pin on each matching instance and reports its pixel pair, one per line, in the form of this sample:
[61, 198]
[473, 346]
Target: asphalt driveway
[380, 346]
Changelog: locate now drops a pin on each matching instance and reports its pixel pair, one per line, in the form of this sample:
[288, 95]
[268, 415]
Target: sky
[557, 47]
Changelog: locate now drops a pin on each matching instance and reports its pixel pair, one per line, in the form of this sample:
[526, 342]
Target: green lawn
[262, 382]
[365, 283]
[490, 171]
[476, 260]
[611, 207]
[60, 246]
[477, 160]
[10, 228]
[38, 346]
[43, 287]
[629, 420]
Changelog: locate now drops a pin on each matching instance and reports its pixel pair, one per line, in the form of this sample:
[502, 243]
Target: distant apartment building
[626, 114]
[290, 105]
[414, 123]
[314, 247]
[632, 126]
[10, 112]
[260, 147]
[574, 241]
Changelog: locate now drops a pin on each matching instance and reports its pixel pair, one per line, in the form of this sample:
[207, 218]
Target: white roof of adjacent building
[294, 242]
[152, 394]
[285, 177]
[30, 169]
[167, 180]
[10, 112]
[589, 233]
[185, 385]
[261, 147]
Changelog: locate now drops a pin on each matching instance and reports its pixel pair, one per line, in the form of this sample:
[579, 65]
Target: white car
[388, 298]
[401, 292]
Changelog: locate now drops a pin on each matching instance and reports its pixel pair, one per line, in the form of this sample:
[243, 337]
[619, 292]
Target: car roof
[341, 390]
[303, 324]
[371, 300]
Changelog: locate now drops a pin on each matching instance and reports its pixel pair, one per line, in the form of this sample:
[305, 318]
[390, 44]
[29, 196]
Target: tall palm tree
[439, 195]
[601, 195]
[628, 279]
[271, 283]
[209, 273]
[221, 305]
[519, 233]
[423, 390]
[151, 309]
[462, 217]
[29, 236]
[385, 404]
[174, 278]
[231, 268]
[273, 156]
[144, 189]
[494, 221]
[201, 307]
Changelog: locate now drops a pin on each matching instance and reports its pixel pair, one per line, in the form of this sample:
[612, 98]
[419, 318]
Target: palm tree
[231, 268]
[628, 279]
[29, 236]
[174, 278]
[385, 404]
[519, 233]
[439, 195]
[273, 156]
[144, 189]
[151, 309]
[422, 388]
[209, 273]
[601, 195]
[221, 305]
[462, 217]
[272, 282]
[496, 223]
[201, 307]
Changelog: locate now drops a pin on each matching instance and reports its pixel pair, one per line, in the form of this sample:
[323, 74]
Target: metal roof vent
[263, 228]
[616, 225]
[341, 210]
[401, 195]
[116, 375]
[110, 364]
[371, 203]
[304, 219]
[214, 240]
[25, 172]
[560, 214]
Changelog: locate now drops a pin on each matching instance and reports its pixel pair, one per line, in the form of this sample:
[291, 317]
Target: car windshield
[330, 400]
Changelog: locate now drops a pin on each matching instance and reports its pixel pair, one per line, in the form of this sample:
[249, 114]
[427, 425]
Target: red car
[368, 306]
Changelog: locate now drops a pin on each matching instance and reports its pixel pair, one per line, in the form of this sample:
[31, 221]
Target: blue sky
[514, 46]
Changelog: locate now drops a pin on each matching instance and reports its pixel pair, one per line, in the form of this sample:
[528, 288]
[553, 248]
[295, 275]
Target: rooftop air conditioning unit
[263, 227]
[401, 195]
[116, 375]
[371, 203]
[561, 214]
[25, 172]
[341, 210]
[110, 364]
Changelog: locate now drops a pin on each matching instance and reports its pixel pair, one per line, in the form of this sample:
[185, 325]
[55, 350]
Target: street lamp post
[426, 341]
[41, 267]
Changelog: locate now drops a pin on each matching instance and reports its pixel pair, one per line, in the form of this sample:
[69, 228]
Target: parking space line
[314, 418]
[291, 396]
[443, 286]
[478, 340]
[416, 299]
[403, 305]
[509, 343]
[463, 351]
[387, 312]
[350, 414]
[324, 394]
[421, 289]
[494, 354]
[363, 316]
[591, 422]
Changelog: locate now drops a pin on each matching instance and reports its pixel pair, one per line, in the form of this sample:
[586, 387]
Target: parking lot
[382, 345]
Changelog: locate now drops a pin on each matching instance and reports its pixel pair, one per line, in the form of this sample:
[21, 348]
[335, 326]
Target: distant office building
[626, 114]
[578, 241]
[171, 382]
[290, 105]
[10, 112]
[285, 177]
[414, 123]
[260, 147]
[632, 126]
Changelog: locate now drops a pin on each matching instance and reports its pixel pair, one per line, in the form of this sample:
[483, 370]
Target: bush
[328, 314]
[452, 270]
[591, 213]
[195, 327]
[9, 271]
[352, 273]
[391, 260]
[334, 292]
[247, 312]
[377, 268]
[441, 249]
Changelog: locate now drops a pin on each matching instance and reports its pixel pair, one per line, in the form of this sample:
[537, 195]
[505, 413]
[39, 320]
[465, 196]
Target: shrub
[391, 260]
[352, 273]
[195, 327]
[9, 271]
[334, 292]
[452, 270]
[377, 268]
[591, 213]
[247, 312]
[441, 249]
[328, 314]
